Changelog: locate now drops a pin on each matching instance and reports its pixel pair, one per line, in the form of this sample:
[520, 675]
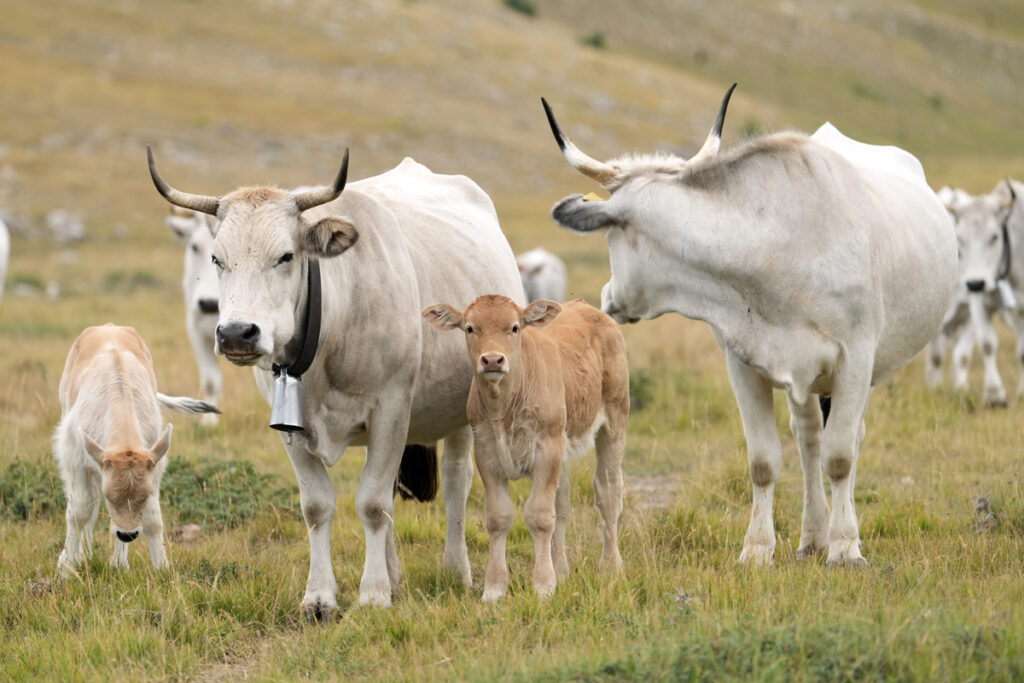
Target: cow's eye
[195, 248]
[469, 329]
[515, 329]
[284, 259]
[216, 262]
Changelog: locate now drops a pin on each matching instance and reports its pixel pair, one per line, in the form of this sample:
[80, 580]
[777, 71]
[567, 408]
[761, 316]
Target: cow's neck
[307, 306]
[496, 406]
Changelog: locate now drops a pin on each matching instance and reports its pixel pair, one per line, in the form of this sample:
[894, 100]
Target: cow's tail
[186, 405]
[417, 475]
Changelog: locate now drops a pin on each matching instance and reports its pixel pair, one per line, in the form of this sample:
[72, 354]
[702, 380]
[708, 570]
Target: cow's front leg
[988, 341]
[82, 511]
[499, 511]
[936, 351]
[963, 347]
[153, 529]
[764, 452]
[317, 498]
[456, 479]
[561, 519]
[539, 511]
[1015, 318]
[375, 505]
[841, 441]
[210, 379]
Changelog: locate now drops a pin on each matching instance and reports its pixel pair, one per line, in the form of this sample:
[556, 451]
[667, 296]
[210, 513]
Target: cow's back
[434, 238]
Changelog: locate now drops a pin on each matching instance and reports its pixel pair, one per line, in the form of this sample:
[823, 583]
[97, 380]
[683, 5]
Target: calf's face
[196, 230]
[493, 327]
[979, 230]
[127, 481]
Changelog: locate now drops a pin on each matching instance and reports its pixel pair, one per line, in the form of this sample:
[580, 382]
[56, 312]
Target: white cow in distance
[822, 264]
[990, 239]
[109, 445]
[199, 283]
[544, 275]
[386, 247]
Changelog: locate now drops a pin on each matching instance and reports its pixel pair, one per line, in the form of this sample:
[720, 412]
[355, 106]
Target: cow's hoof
[460, 567]
[757, 555]
[847, 563]
[318, 611]
[375, 598]
[845, 554]
[810, 551]
[995, 403]
[493, 594]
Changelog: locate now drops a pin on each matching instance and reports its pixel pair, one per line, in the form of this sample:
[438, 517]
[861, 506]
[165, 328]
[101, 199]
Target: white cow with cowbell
[822, 264]
[386, 248]
[990, 279]
[199, 282]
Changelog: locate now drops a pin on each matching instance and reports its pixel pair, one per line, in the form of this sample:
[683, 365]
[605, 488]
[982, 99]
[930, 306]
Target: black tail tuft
[826, 406]
[417, 475]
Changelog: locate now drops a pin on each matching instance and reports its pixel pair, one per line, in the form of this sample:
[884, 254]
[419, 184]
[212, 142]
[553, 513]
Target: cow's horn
[592, 168]
[307, 200]
[196, 202]
[711, 145]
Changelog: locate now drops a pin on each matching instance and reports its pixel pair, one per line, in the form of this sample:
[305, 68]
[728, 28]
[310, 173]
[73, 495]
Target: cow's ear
[541, 313]
[581, 214]
[181, 225]
[330, 237]
[444, 317]
[162, 445]
[93, 448]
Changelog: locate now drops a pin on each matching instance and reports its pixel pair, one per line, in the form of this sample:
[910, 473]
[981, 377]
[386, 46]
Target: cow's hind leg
[840, 451]
[608, 486]
[456, 479]
[317, 499]
[754, 398]
[806, 423]
[1015, 318]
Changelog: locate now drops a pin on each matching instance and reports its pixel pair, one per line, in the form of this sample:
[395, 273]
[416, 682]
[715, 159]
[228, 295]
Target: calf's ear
[443, 316]
[93, 448]
[582, 214]
[162, 445]
[330, 237]
[181, 225]
[541, 313]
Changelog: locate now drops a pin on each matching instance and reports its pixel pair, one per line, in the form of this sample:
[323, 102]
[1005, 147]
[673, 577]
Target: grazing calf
[543, 275]
[202, 298]
[987, 227]
[543, 389]
[109, 441]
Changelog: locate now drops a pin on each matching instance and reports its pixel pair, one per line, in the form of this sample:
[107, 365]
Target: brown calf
[550, 380]
[109, 443]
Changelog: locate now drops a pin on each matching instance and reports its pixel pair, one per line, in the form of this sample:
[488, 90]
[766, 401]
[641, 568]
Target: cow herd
[822, 265]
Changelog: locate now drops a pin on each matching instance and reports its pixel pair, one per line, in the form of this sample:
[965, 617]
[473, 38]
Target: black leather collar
[311, 338]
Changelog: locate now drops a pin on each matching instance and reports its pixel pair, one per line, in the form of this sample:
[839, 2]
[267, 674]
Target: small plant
[522, 6]
[594, 40]
[221, 493]
[30, 490]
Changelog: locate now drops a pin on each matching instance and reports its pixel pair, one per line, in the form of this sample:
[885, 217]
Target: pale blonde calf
[109, 444]
[549, 380]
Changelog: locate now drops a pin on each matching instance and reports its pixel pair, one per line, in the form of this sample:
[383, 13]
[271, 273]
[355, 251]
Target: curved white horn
[588, 166]
[714, 141]
[307, 200]
[196, 202]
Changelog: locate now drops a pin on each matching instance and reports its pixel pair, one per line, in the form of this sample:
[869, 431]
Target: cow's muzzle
[238, 341]
[975, 285]
[126, 536]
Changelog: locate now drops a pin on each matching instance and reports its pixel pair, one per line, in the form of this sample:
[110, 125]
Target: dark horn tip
[559, 137]
[339, 182]
[720, 119]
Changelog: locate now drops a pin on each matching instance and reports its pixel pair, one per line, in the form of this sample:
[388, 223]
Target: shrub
[594, 40]
[522, 6]
[29, 490]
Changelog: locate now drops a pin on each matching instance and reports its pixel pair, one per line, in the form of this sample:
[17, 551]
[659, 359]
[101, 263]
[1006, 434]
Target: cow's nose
[208, 305]
[238, 335]
[492, 362]
[975, 285]
[127, 536]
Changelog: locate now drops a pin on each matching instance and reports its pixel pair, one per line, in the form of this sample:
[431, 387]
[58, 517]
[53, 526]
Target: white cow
[987, 229]
[378, 378]
[822, 264]
[195, 231]
[544, 275]
[5, 254]
[109, 446]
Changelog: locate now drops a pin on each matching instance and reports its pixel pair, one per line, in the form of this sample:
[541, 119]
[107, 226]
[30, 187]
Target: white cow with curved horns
[822, 264]
[387, 247]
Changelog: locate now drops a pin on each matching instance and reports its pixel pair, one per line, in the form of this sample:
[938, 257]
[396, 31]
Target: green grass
[233, 94]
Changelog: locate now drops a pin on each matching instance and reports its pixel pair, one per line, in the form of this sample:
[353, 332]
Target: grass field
[273, 91]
